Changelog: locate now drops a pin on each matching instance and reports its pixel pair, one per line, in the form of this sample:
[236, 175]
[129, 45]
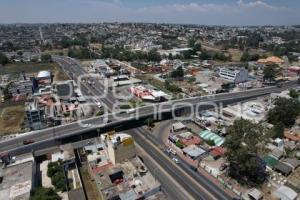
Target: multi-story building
[120, 147]
[34, 115]
[234, 75]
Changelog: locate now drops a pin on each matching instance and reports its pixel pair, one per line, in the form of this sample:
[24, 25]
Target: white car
[129, 111]
[171, 151]
[98, 104]
[175, 160]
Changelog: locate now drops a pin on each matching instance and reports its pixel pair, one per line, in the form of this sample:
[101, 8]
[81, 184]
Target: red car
[25, 142]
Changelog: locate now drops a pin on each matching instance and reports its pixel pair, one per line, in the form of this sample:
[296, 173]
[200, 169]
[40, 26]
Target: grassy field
[17, 68]
[11, 119]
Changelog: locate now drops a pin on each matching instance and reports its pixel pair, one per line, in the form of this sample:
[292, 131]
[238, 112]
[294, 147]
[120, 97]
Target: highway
[196, 184]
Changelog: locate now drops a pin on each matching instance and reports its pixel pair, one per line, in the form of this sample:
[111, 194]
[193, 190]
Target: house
[292, 162]
[217, 152]
[255, 194]
[285, 193]
[283, 168]
[277, 153]
[271, 60]
[178, 126]
[193, 151]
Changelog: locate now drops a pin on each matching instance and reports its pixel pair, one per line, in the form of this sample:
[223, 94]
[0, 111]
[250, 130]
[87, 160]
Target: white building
[234, 75]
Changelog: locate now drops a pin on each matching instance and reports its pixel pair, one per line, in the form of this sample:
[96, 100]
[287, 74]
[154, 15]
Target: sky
[203, 12]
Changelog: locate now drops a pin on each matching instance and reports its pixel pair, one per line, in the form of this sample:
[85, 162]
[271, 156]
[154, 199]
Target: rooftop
[16, 183]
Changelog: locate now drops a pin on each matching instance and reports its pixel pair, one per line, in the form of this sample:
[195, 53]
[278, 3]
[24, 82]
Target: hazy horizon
[199, 12]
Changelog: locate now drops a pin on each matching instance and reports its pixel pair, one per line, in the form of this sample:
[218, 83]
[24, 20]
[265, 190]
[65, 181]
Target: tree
[177, 73]
[293, 93]
[278, 130]
[46, 57]
[270, 72]
[42, 193]
[197, 47]
[153, 55]
[149, 121]
[246, 57]
[20, 53]
[205, 55]
[191, 42]
[285, 111]
[241, 143]
[3, 59]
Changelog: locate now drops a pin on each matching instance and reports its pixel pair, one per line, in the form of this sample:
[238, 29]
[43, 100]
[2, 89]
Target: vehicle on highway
[99, 105]
[175, 160]
[129, 111]
[26, 142]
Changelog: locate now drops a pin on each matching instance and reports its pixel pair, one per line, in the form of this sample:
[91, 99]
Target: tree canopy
[270, 72]
[241, 143]
[285, 111]
[177, 73]
[46, 57]
[3, 59]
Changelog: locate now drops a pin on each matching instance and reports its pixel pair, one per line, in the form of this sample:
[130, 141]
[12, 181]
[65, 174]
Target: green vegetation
[179, 144]
[294, 94]
[56, 173]
[285, 111]
[99, 113]
[177, 73]
[210, 142]
[46, 58]
[246, 57]
[149, 122]
[214, 55]
[81, 53]
[3, 59]
[66, 43]
[278, 130]
[133, 103]
[241, 143]
[42, 193]
[126, 55]
[172, 88]
[270, 72]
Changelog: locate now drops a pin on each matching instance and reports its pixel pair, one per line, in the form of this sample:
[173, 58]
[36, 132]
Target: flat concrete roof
[17, 181]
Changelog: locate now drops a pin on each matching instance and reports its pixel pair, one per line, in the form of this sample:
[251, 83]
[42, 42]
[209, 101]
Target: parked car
[171, 151]
[194, 168]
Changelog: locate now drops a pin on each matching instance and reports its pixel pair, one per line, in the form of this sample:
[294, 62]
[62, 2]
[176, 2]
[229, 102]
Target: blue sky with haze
[207, 12]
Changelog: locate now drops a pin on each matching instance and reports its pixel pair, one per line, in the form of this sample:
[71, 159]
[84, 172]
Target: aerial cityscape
[167, 100]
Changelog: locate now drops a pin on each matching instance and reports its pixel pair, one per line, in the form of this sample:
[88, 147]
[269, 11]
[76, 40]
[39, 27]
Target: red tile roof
[291, 137]
[218, 151]
[192, 140]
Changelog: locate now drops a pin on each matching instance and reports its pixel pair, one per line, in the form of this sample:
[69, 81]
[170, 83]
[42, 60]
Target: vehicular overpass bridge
[50, 136]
